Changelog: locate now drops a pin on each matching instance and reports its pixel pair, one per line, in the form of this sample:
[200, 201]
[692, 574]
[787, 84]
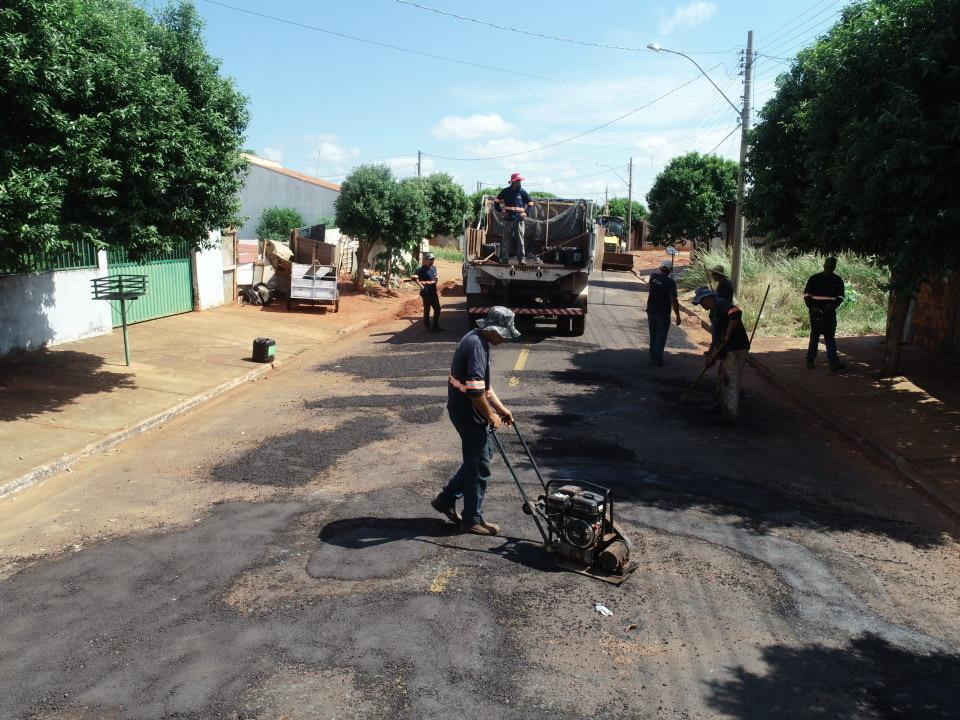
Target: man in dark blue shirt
[661, 296]
[722, 282]
[823, 294]
[731, 346]
[512, 202]
[473, 407]
[426, 278]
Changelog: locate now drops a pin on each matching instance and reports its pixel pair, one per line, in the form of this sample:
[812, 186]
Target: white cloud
[327, 149]
[275, 154]
[470, 127]
[688, 16]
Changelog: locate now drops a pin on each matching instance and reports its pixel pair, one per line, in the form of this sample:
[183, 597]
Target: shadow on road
[868, 679]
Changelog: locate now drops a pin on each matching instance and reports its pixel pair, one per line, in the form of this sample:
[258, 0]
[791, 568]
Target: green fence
[169, 283]
[80, 255]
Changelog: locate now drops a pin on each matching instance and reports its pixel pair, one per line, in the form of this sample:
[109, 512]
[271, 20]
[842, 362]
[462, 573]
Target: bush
[450, 254]
[864, 312]
[277, 222]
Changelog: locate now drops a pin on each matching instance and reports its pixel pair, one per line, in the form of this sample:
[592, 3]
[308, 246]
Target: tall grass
[863, 312]
[450, 254]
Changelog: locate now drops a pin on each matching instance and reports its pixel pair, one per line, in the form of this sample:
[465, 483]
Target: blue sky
[323, 104]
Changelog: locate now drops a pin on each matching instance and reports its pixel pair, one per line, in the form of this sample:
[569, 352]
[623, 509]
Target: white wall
[51, 308]
[265, 188]
[208, 274]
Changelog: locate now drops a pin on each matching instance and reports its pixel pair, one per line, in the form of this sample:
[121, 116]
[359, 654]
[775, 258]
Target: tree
[363, 210]
[542, 194]
[871, 112]
[117, 129]
[277, 222]
[619, 206]
[447, 204]
[410, 219]
[688, 197]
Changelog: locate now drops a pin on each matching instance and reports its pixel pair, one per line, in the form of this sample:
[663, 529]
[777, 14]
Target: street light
[736, 269]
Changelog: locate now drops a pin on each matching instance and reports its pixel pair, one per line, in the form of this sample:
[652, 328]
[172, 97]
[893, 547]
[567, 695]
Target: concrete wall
[51, 308]
[208, 274]
[265, 188]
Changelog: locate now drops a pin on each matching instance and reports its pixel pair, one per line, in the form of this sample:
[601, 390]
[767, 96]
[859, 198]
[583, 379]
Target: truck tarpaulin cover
[566, 222]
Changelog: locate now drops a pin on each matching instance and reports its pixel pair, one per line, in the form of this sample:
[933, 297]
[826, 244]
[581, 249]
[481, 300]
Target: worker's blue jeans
[659, 327]
[470, 481]
[824, 323]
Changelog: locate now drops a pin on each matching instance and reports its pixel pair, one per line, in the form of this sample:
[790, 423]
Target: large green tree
[447, 203]
[688, 197]
[363, 210]
[115, 128]
[411, 218]
[869, 115]
[277, 222]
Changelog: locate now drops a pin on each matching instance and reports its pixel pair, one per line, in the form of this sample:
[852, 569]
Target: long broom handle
[757, 322]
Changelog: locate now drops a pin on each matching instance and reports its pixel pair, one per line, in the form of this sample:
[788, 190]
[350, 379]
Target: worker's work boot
[482, 528]
[449, 510]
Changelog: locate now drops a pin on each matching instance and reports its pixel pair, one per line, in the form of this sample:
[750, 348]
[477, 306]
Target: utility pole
[478, 186]
[736, 271]
[418, 163]
[606, 200]
[630, 204]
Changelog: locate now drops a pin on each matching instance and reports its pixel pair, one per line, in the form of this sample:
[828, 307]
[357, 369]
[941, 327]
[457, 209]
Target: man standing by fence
[823, 294]
[662, 295]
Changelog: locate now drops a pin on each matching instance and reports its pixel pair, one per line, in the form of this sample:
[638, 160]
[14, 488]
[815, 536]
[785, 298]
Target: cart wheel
[336, 305]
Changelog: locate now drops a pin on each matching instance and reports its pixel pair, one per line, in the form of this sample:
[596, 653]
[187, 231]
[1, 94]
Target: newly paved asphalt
[274, 555]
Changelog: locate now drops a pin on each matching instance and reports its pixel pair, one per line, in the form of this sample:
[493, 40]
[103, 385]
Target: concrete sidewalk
[60, 404]
[912, 421]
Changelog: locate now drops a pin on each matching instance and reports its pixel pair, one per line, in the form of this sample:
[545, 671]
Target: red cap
[515, 177]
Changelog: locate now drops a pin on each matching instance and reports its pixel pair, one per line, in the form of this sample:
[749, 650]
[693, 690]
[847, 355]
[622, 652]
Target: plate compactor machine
[576, 522]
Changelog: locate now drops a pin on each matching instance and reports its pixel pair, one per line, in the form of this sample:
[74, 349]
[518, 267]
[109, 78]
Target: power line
[737, 127]
[776, 32]
[388, 46]
[574, 137]
[545, 36]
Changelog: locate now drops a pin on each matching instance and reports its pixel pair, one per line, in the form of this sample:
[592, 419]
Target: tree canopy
[117, 129]
[859, 147]
[446, 202]
[618, 208]
[688, 197]
[277, 222]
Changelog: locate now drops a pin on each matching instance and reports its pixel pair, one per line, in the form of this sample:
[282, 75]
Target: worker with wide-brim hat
[512, 202]
[474, 409]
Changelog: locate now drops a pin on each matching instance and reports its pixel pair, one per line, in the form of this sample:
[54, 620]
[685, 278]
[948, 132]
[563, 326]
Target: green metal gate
[169, 283]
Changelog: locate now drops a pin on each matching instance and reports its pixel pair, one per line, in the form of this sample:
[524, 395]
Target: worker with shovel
[426, 278]
[731, 345]
[474, 407]
[661, 296]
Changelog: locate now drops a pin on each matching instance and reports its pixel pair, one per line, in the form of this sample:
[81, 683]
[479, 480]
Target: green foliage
[447, 204]
[475, 205]
[785, 315]
[117, 129]
[328, 220]
[870, 113]
[450, 254]
[618, 208]
[277, 222]
[410, 217]
[688, 197]
[542, 194]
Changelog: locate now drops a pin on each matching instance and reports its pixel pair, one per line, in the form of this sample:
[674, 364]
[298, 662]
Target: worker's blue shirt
[428, 275]
[824, 292]
[514, 198]
[469, 375]
[722, 313]
[663, 290]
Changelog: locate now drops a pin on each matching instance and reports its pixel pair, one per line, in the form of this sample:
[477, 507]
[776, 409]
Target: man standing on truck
[426, 278]
[661, 296]
[474, 407]
[731, 348]
[512, 203]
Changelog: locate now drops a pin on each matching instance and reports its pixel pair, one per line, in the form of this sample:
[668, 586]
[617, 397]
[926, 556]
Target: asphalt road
[274, 555]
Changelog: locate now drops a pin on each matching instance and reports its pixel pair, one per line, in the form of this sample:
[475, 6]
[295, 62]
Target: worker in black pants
[823, 294]
[426, 278]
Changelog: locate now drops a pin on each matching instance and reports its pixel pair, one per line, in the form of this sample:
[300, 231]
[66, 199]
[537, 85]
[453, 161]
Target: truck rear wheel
[577, 325]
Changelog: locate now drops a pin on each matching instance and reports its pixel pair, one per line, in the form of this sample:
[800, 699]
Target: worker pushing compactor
[473, 407]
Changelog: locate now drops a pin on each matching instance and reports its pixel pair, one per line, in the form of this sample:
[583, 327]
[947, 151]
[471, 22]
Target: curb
[875, 449]
[42, 472]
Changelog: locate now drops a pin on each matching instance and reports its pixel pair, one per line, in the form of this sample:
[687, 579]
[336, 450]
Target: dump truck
[550, 283]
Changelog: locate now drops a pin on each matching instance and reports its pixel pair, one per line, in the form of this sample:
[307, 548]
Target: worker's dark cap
[429, 256]
[701, 294]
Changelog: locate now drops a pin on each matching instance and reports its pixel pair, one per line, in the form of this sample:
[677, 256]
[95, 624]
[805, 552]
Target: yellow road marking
[522, 360]
[442, 579]
[514, 381]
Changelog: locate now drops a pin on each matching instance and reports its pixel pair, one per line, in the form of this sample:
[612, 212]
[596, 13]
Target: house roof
[277, 167]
